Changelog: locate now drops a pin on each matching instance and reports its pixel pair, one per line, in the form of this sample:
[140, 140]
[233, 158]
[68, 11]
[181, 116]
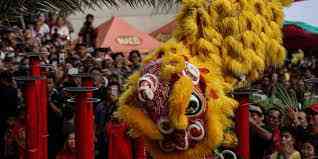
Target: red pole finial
[35, 66]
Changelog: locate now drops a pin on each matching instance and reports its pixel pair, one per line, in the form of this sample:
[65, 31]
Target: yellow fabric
[295, 155]
[231, 39]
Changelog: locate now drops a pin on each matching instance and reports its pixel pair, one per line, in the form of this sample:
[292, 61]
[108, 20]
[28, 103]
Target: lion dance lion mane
[179, 101]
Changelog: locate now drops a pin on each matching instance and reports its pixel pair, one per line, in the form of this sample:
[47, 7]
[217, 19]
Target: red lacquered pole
[36, 72]
[84, 124]
[43, 129]
[31, 121]
[242, 127]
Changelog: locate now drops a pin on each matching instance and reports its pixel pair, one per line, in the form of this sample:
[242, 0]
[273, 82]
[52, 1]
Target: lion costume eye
[195, 106]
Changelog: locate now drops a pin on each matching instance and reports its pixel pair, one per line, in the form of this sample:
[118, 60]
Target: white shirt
[44, 29]
[62, 31]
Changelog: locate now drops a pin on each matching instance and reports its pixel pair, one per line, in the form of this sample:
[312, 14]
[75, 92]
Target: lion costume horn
[178, 102]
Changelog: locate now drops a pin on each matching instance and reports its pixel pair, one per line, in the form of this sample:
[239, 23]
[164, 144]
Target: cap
[254, 108]
[313, 108]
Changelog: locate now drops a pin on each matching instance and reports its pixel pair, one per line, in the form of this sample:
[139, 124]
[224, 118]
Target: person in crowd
[68, 120]
[61, 28]
[108, 63]
[120, 66]
[103, 113]
[87, 33]
[312, 117]
[11, 148]
[287, 149]
[15, 137]
[54, 117]
[309, 150]
[8, 98]
[105, 109]
[100, 55]
[258, 142]
[69, 148]
[82, 52]
[298, 118]
[30, 42]
[52, 19]
[256, 114]
[100, 82]
[41, 28]
[135, 60]
[268, 135]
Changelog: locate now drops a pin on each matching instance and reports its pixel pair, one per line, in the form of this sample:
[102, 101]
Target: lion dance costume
[179, 101]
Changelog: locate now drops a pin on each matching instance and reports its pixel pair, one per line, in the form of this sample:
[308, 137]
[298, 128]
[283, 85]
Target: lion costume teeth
[187, 114]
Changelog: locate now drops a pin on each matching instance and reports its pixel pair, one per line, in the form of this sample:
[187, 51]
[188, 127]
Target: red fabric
[16, 134]
[140, 151]
[314, 108]
[297, 38]
[119, 144]
[66, 155]
[19, 134]
[276, 139]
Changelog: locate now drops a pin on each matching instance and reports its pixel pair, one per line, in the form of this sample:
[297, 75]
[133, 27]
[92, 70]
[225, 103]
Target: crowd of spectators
[283, 131]
[275, 133]
[51, 38]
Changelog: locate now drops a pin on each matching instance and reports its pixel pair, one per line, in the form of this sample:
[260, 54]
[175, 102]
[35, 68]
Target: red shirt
[119, 145]
[66, 155]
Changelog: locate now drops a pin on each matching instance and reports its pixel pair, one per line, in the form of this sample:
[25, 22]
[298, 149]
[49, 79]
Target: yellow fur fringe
[229, 38]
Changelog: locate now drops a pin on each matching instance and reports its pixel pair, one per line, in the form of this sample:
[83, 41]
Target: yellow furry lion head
[178, 102]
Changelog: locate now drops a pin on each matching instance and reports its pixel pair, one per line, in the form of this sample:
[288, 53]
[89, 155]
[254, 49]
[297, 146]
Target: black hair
[5, 76]
[259, 113]
[89, 16]
[67, 131]
[115, 55]
[94, 68]
[113, 83]
[285, 130]
[79, 45]
[51, 75]
[133, 52]
[108, 49]
[68, 112]
[274, 109]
